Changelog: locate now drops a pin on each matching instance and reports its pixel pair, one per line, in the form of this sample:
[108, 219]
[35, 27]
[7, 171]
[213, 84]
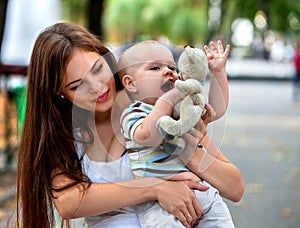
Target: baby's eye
[154, 68]
[172, 68]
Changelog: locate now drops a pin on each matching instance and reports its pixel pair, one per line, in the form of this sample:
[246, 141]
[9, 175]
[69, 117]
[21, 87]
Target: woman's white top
[115, 171]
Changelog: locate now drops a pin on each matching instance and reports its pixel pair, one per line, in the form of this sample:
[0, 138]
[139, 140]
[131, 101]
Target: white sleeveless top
[105, 172]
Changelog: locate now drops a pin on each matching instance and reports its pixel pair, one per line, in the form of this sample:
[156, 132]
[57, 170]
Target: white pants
[215, 212]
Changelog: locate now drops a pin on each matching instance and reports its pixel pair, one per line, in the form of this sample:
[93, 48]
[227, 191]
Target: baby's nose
[168, 72]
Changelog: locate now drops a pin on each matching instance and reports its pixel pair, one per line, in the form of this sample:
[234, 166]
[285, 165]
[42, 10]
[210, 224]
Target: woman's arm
[98, 198]
[210, 164]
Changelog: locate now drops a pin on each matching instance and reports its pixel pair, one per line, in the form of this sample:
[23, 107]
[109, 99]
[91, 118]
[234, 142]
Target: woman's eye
[97, 68]
[76, 86]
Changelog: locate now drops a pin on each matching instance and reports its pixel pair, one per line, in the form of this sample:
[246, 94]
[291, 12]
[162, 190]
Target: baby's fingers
[209, 54]
[227, 50]
[220, 46]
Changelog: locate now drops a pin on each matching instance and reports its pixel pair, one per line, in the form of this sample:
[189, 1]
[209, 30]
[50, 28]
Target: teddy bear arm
[189, 114]
[199, 99]
[190, 86]
[168, 127]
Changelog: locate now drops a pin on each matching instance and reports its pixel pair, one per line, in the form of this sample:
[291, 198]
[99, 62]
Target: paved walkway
[261, 137]
[257, 68]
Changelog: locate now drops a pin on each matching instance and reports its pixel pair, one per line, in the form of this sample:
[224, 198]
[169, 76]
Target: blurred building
[24, 20]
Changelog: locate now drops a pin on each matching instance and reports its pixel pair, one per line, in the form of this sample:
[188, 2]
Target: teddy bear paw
[165, 134]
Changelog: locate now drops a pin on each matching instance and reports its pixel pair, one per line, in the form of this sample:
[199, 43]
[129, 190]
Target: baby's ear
[129, 83]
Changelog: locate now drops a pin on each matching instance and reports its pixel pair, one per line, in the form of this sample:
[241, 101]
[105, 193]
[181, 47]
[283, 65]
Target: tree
[87, 13]
[180, 20]
[95, 10]
[75, 11]
[277, 13]
[3, 8]
[183, 21]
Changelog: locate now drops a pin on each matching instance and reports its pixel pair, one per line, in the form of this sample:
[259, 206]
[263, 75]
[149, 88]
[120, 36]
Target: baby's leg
[215, 211]
[152, 215]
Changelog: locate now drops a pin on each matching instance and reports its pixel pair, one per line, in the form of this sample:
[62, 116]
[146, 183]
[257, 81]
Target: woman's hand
[194, 136]
[177, 198]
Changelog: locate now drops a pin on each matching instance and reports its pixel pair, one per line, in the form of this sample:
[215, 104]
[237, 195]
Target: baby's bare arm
[147, 134]
[218, 92]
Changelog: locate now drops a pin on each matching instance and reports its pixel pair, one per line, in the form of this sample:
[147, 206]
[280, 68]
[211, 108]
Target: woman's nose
[95, 85]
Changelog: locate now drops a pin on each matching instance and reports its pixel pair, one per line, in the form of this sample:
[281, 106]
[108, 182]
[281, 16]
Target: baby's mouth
[168, 85]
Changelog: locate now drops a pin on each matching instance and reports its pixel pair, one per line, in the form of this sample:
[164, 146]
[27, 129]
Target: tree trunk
[95, 17]
[3, 8]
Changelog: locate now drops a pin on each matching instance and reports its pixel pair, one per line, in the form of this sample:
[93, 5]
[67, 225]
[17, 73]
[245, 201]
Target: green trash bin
[18, 95]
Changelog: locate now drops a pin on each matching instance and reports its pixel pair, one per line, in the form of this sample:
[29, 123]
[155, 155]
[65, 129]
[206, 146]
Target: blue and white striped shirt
[146, 161]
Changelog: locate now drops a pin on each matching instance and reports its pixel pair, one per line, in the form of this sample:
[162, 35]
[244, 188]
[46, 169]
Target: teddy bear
[193, 69]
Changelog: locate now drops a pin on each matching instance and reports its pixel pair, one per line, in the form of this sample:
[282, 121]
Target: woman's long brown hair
[47, 141]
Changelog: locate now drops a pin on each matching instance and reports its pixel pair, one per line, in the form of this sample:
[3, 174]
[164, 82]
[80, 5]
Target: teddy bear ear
[188, 46]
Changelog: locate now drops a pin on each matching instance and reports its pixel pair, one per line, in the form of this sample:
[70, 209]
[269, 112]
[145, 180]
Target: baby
[145, 68]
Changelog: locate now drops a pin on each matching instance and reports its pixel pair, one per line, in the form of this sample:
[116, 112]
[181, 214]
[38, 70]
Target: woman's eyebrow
[94, 64]
[72, 82]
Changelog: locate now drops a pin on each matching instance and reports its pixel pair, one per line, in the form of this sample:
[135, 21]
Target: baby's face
[155, 72]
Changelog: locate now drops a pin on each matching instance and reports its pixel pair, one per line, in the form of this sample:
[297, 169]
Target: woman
[67, 131]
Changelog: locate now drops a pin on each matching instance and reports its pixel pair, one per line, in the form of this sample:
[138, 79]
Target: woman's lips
[102, 97]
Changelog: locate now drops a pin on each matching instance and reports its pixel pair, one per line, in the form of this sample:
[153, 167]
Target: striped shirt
[146, 161]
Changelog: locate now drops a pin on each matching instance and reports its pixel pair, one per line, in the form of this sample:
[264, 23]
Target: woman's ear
[129, 83]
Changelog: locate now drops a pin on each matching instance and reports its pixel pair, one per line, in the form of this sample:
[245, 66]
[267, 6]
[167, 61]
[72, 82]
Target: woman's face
[89, 82]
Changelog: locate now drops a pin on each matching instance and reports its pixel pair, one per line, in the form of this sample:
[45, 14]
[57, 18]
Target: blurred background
[261, 129]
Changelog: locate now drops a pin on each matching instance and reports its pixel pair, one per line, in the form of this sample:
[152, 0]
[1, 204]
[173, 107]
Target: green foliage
[179, 20]
[277, 11]
[124, 16]
[182, 21]
[279, 14]
[189, 26]
[75, 11]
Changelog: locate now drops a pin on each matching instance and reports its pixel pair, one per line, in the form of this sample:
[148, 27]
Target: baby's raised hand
[216, 56]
